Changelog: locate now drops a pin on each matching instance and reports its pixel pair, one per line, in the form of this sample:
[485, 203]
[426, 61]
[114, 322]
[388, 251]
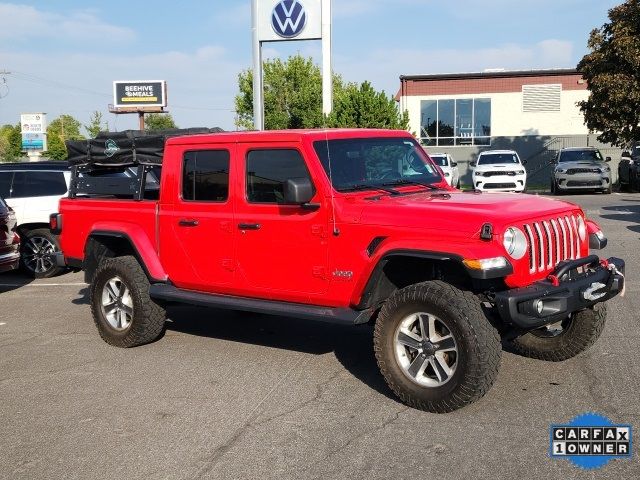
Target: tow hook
[589, 293]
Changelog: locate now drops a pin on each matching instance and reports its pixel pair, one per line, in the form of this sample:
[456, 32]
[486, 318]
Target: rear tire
[121, 306]
[576, 335]
[435, 348]
[37, 250]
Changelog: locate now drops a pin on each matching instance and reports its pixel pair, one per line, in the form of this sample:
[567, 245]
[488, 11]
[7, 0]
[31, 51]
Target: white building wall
[508, 119]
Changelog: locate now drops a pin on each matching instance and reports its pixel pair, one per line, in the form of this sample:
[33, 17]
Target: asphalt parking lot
[237, 395]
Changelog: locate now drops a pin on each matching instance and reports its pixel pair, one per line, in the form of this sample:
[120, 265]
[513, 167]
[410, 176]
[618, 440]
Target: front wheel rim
[117, 304]
[425, 349]
[38, 254]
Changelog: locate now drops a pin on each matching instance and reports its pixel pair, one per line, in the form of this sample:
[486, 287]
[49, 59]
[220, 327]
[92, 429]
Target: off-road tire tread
[585, 329]
[149, 318]
[484, 359]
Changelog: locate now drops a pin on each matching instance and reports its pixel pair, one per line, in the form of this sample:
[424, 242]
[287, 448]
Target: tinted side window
[205, 176]
[5, 183]
[38, 184]
[267, 170]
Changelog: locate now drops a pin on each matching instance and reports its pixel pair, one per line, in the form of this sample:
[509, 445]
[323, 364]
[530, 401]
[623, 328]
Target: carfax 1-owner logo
[590, 441]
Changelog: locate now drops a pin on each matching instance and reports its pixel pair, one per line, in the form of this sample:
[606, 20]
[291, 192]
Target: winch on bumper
[574, 285]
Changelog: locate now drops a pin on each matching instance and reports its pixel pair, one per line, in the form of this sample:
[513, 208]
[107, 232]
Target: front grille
[497, 173]
[573, 171]
[499, 185]
[552, 241]
[591, 183]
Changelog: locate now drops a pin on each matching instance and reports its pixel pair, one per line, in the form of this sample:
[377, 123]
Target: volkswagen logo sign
[288, 18]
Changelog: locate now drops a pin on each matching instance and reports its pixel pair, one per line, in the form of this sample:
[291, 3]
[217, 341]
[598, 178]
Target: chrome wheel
[38, 254]
[117, 304]
[426, 350]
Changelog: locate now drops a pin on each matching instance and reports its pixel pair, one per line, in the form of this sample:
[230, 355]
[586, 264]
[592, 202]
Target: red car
[9, 239]
[352, 226]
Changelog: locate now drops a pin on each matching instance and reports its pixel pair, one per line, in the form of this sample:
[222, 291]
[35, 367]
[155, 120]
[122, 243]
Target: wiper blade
[366, 186]
[411, 182]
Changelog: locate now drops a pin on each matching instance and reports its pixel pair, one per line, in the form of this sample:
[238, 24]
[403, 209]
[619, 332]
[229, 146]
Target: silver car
[581, 168]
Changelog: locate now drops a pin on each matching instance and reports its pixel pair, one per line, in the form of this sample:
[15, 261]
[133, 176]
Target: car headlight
[515, 242]
[478, 174]
[582, 228]
[446, 174]
[606, 168]
[561, 170]
[520, 172]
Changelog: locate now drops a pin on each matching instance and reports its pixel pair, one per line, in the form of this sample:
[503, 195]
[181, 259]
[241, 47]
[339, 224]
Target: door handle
[188, 223]
[249, 226]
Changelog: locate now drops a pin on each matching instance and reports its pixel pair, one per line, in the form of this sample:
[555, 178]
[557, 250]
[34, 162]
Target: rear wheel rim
[426, 350]
[117, 304]
[38, 254]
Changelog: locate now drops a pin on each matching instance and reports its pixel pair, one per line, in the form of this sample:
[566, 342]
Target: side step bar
[345, 316]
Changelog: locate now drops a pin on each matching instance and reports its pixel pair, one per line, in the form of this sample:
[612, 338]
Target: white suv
[33, 190]
[449, 168]
[499, 171]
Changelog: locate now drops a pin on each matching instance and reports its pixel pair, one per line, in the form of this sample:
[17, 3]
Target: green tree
[363, 107]
[612, 70]
[293, 99]
[63, 128]
[95, 125]
[10, 143]
[159, 121]
[292, 94]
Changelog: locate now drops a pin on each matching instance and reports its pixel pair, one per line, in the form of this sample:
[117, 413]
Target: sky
[63, 55]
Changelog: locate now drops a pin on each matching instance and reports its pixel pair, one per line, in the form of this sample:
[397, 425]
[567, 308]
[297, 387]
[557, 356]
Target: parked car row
[574, 169]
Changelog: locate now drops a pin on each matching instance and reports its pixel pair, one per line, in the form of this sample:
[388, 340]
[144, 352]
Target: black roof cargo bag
[129, 147]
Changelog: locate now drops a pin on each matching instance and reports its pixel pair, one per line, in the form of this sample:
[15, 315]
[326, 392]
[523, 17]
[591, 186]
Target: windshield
[371, 162]
[580, 155]
[499, 158]
[441, 160]
[635, 152]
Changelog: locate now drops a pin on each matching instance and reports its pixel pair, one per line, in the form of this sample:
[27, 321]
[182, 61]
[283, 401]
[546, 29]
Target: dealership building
[533, 112]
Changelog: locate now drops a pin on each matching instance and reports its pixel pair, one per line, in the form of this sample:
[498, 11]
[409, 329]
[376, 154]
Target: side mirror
[524, 162]
[472, 164]
[626, 154]
[454, 164]
[608, 159]
[298, 191]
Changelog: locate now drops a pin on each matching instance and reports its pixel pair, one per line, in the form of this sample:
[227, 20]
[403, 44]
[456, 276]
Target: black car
[629, 169]
[9, 239]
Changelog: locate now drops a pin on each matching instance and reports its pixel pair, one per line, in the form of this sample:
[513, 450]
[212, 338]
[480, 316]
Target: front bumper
[500, 183]
[574, 286]
[583, 181]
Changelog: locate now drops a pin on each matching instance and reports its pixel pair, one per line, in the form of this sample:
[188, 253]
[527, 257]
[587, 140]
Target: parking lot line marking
[42, 284]
[3, 323]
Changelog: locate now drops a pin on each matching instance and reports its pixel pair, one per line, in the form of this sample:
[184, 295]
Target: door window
[267, 172]
[5, 184]
[206, 176]
[38, 184]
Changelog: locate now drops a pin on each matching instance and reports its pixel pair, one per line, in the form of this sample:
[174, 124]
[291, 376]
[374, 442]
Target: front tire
[121, 306]
[435, 348]
[37, 253]
[566, 339]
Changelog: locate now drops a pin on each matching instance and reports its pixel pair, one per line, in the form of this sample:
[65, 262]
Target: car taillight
[55, 223]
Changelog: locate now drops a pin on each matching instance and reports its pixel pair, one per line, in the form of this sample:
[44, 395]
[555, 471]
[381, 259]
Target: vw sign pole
[290, 20]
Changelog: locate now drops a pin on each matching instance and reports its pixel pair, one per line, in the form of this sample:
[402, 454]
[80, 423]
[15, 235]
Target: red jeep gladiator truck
[353, 226]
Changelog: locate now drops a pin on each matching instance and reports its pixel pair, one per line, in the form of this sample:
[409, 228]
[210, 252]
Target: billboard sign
[140, 93]
[281, 20]
[33, 127]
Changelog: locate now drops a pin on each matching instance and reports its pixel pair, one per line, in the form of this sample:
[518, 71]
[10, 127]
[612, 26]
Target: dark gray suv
[581, 168]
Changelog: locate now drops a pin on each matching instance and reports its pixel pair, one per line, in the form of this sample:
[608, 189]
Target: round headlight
[582, 228]
[515, 242]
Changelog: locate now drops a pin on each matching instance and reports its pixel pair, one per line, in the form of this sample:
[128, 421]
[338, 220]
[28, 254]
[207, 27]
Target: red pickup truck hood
[457, 210]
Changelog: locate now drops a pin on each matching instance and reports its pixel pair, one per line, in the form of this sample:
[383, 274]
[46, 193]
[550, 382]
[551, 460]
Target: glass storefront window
[451, 122]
